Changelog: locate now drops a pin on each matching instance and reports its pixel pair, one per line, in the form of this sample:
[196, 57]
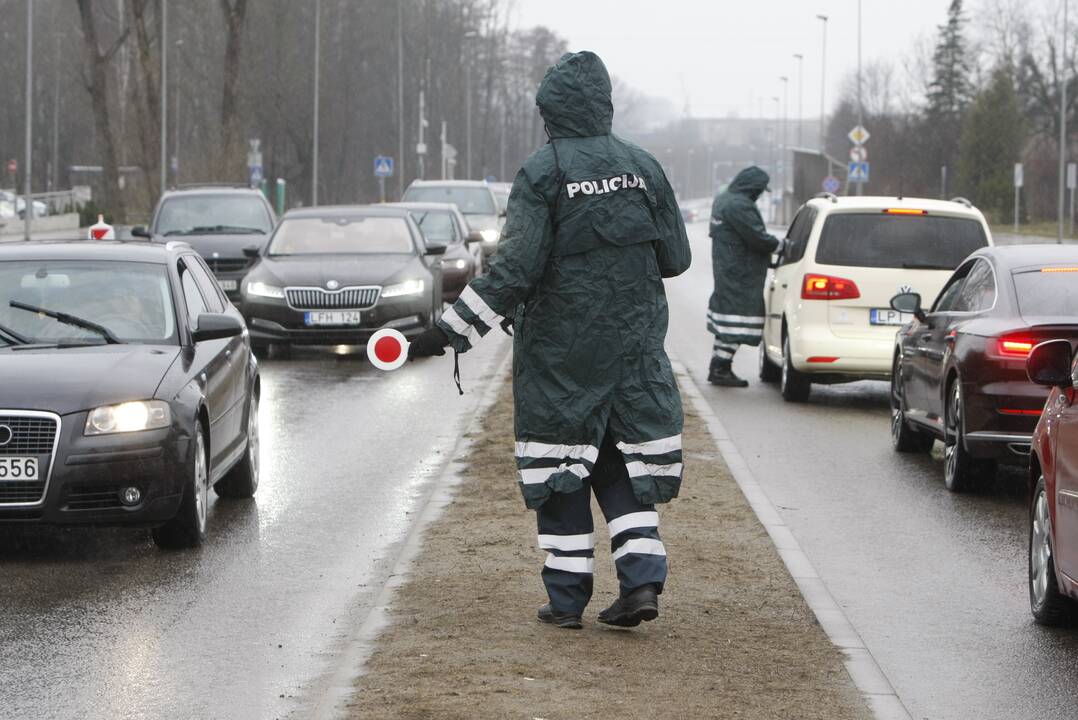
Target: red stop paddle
[387, 349]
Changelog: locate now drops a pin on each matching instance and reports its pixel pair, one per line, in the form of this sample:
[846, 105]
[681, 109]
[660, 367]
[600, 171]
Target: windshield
[437, 227]
[213, 214]
[1051, 291]
[342, 235]
[469, 200]
[131, 300]
[879, 240]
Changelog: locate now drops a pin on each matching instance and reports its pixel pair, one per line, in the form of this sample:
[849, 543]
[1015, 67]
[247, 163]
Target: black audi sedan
[959, 368]
[220, 222]
[335, 275]
[127, 388]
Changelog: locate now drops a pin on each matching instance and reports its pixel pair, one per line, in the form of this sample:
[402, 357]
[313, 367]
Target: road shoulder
[735, 639]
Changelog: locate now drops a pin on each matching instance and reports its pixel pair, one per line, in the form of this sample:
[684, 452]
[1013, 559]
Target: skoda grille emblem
[6, 435]
[332, 284]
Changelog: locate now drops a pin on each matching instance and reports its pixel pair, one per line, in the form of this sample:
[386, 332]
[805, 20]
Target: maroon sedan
[1053, 482]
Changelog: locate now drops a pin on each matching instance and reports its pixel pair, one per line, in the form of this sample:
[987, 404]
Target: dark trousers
[567, 534]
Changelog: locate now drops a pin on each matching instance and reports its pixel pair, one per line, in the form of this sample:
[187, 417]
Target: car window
[342, 235]
[205, 283]
[225, 214]
[437, 227]
[978, 291]
[883, 240]
[1047, 291]
[951, 291]
[196, 304]
[469, 200]
[799, 234]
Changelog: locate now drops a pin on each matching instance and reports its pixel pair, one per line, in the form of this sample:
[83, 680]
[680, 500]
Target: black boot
[549, 616]
[722, 374]
[641, 604]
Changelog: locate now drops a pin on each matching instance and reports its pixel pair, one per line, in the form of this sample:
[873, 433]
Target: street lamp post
[28, 209]
[785, 148]
[823, 84]
[800, 94]
[317, 58]
[860, 104]
[164, 95]
[468, 102]
[774, 150]
[1063, 126]
[400, 100]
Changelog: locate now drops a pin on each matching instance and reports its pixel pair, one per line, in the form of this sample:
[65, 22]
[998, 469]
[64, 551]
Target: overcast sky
[729, 54]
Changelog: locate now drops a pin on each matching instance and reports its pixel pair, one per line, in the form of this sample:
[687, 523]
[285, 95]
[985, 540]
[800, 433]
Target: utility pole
[468, 102]
[860, 103]
[1063, 125]
[164, 96]
[800, 94]
[421, 147]
[54, 176]
[400, 101]
[823, 85]
[774, 153]
[785, 148]
[317, 58]
[28, 172]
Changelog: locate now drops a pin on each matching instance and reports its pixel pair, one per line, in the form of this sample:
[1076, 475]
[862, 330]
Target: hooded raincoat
[741, 250]
[592, 230]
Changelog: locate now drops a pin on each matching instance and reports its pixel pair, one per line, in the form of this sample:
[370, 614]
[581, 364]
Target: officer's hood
[751, 181]
[575, 97]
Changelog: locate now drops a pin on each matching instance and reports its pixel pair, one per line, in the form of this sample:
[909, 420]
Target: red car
[1053, 482]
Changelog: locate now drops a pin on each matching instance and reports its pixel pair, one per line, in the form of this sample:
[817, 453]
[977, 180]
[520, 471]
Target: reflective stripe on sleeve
[567, 542]
[479, 306]
[582, 565]
[640, 546]
[633, 520]
[456, 322]
[652, 447]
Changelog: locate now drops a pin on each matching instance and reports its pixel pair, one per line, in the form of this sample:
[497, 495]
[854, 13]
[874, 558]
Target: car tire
[242, 480]
[793, 383]
[1048, 605]
[769, 371]
[904, 439]
[961, 471]
[188, 528]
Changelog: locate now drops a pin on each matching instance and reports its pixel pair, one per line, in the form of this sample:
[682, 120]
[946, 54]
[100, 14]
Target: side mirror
[436, 248]
[909, 302]
[216, 326]
[474, 237]
[252, 251]
[1050, 364]
[140, 231]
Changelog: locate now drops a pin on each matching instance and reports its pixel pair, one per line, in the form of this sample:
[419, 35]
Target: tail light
[826, 287]
[1012, 346]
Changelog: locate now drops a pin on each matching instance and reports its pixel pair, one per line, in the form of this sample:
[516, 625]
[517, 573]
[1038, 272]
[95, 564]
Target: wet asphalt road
[934, 582]
[103, 625]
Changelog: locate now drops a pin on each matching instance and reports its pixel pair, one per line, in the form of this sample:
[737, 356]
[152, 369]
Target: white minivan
[828, 313]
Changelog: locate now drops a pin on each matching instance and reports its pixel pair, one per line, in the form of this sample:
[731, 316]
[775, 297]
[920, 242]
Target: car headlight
[261, 289]
[128, 417]
[408, 287]
[489, 235]
[455, 264]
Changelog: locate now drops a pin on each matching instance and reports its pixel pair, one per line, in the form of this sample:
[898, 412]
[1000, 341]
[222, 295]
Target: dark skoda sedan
[959, 368]
[128, 388]
[334, 275]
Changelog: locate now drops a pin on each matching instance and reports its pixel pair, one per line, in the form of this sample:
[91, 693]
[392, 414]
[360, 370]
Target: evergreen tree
[949, 93]
[992, 141]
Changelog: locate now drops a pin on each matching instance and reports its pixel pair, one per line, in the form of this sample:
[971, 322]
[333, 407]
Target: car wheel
[242, 480]
[794, 384]
[769, 371]
[961, 471]
[1049, 606]
[904, 438]
[188, 528]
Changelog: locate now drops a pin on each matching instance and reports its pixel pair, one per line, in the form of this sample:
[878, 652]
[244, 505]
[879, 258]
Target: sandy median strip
[734, 638]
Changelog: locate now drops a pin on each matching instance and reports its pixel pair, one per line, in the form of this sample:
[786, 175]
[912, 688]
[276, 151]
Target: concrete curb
[862, 667]
[357, 650]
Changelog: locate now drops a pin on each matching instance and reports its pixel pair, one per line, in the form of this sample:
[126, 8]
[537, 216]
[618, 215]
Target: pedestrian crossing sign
[858, 172]
[383, 166]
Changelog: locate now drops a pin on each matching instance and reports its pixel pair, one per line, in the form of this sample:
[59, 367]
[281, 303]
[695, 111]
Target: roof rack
[192, 186]
[962, 201]
[827, 196]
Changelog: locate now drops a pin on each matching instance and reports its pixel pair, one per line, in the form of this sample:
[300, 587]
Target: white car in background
[828, 315]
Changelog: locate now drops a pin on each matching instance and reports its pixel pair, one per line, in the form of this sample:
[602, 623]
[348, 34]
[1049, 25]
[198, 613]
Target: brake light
[904, 211]
[826, 287]
[1019, 411]
[1014, 346]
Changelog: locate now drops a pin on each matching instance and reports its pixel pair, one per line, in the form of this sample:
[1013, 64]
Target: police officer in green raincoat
[593, 228]
[741, 250]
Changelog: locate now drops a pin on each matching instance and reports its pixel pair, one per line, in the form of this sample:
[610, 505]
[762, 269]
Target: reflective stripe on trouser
[723, 351]
[736, 329]
[566, 533]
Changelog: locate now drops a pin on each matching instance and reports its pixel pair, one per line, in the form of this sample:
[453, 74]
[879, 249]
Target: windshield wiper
[236, 229]
[12, 337]
[73, 320]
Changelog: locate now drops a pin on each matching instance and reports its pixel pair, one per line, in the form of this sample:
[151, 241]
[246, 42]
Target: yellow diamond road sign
[859, 136]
